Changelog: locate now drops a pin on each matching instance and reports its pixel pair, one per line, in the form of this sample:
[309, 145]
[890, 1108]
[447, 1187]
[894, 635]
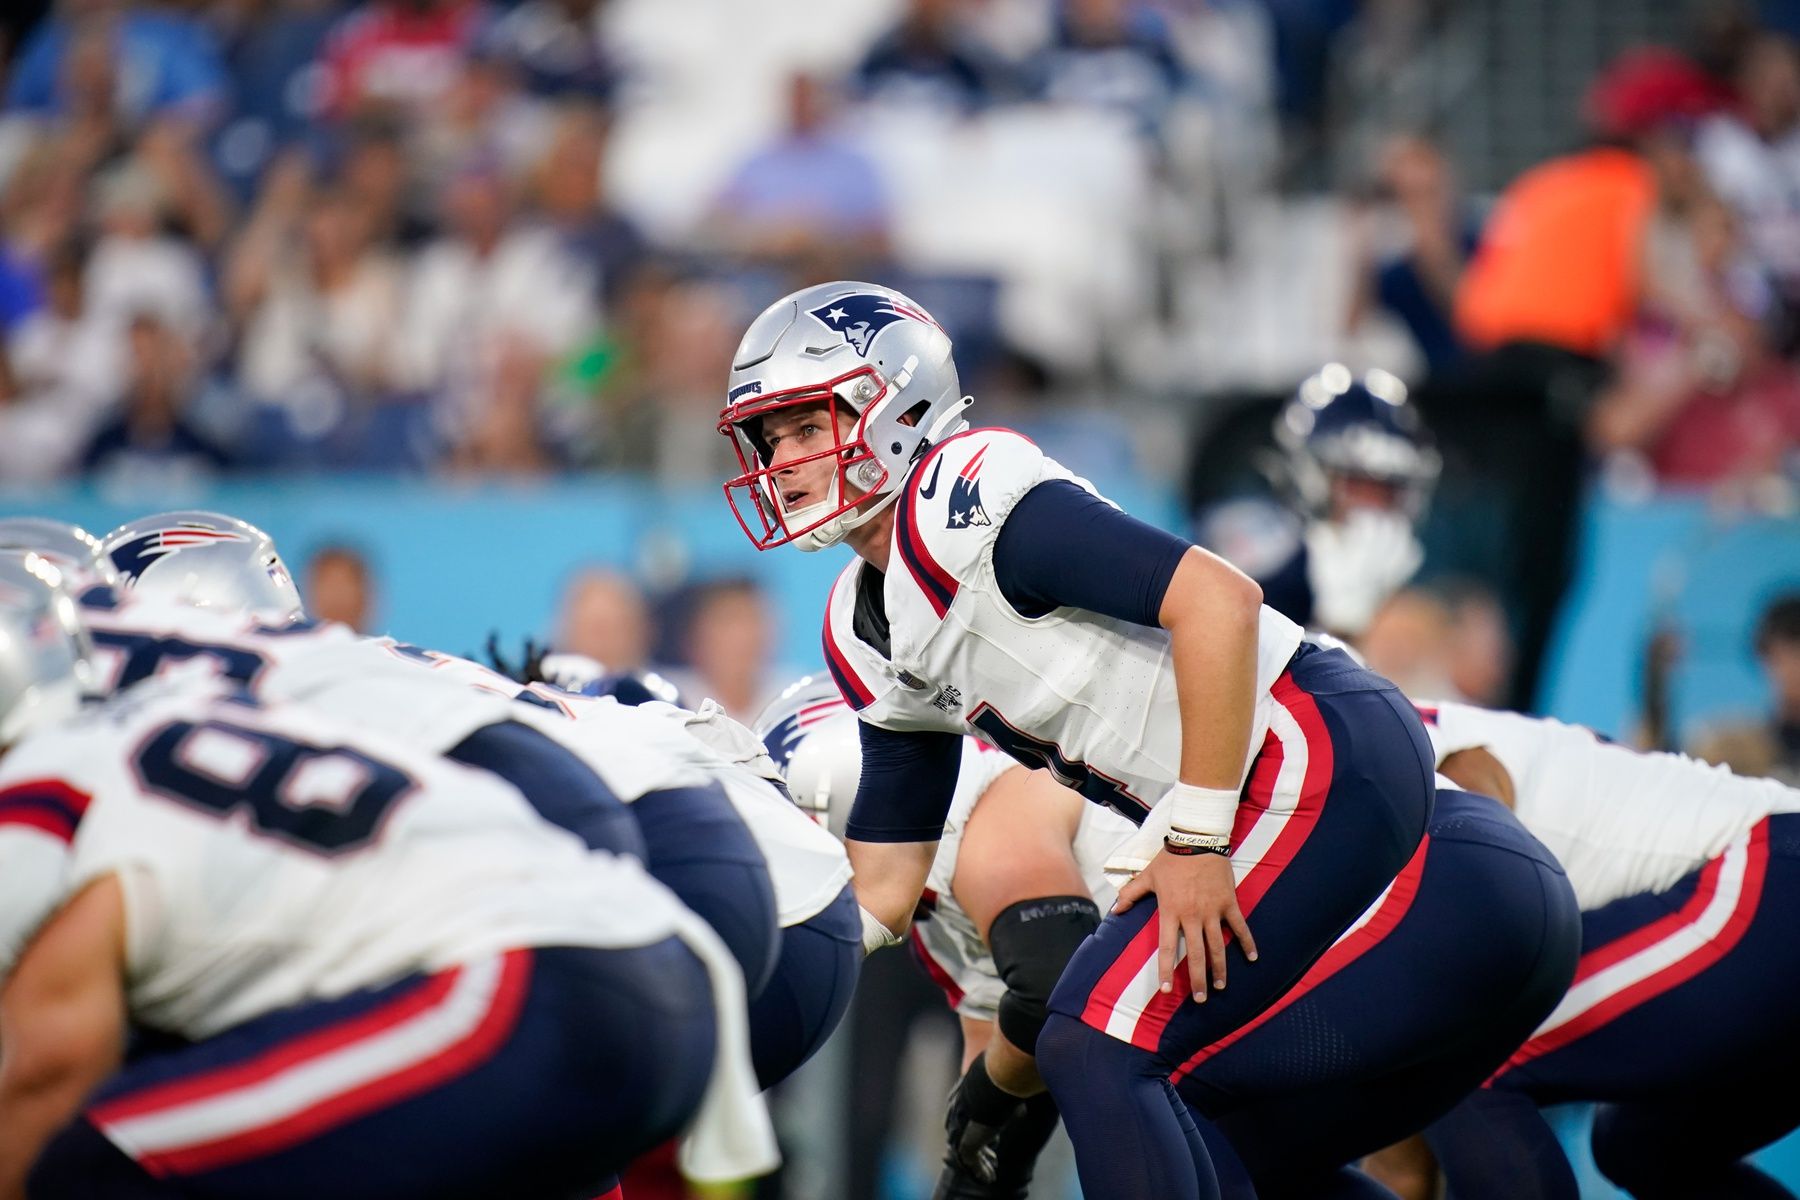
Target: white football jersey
[434, 700]
[1620, 821]
[946, 938]
[1089, 697]
[269, 856]
[807, 866]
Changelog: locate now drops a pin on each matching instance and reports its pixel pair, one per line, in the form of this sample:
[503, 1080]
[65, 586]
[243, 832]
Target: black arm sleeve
[1063, 545]
[908, 781]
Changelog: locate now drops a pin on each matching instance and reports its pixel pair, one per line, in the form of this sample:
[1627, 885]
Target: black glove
[978, 1109]
[1015, 1154]
[530, 667]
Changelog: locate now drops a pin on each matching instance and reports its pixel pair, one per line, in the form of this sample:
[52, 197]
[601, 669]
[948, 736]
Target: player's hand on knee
[1196, 898]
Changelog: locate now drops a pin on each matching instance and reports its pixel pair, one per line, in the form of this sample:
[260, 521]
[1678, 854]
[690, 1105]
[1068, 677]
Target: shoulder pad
[855, 667]
[954, 501]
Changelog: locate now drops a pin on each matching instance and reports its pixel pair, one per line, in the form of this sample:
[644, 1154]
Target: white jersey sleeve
[1621, 821]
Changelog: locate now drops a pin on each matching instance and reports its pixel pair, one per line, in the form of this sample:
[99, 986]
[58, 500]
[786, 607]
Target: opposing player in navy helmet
[997, 593]
[1354, 474]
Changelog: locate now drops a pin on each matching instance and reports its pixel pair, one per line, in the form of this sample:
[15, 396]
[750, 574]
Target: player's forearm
[32, 1110]
[890, 878]
[1213, 612]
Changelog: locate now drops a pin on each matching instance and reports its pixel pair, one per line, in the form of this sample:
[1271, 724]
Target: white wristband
[875, 935]
[1202, 810]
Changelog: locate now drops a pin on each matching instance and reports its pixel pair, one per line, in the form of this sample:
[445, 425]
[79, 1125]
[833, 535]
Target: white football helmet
[856, 349]
[811, 734]
[70, 548]
[44, 651]
[205, 559]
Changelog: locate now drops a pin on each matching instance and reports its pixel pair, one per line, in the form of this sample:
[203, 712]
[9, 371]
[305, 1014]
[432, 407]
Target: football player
[1422, 998]
[359, 969]
[995, 592]
[678, 790]
[1356, 469]
[1679, 1022]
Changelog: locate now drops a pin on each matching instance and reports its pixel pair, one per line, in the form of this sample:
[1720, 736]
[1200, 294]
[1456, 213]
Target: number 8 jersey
[270, 855]
[1090, 697]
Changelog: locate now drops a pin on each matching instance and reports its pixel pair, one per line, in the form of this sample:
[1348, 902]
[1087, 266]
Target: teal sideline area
[454, 562]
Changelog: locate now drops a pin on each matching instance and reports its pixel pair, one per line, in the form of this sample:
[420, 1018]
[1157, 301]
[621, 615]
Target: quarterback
[996, 593]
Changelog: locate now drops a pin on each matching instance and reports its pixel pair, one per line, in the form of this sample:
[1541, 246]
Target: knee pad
[1032, 942]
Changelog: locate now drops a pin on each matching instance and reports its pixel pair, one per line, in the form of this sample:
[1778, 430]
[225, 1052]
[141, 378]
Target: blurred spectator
[65, 368]
[1111, 54]
[481, 116]
[490, 304]
[811, 195]
[151, 446]
[1697, 388]
[726, 641]
[1442, 641]
[136, 267]
[653, 378]
[162, 62]
[317, 301]
[1555, 283]
[568, 183]
[338, 586]
[928, 61]
[401, 55]
[277, 84]
[1751, 155]
[559, 48]
[605, 617]
[376, 172]
[1771, 747]
[1414, 280]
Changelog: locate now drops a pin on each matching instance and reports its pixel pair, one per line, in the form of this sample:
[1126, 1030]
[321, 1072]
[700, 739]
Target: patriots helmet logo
[966, 510]
[861, 315]
[134, 557]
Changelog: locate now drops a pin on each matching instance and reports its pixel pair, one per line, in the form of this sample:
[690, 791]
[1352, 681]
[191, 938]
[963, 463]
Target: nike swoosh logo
[930, 489]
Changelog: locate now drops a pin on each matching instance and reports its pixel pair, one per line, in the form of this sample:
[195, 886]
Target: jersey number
[325, 799]
[1036, 752]
[146, 655]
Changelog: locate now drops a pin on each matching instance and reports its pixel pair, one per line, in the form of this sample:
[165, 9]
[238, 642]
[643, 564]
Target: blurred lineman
[1357, 470]
[333, 949]
[678, 790]
[1680, 1021]
[996, 593]
[1434, 985]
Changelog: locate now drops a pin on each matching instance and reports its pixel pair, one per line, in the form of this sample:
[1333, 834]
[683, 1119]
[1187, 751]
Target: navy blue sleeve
[1063, 545]
[908, 781]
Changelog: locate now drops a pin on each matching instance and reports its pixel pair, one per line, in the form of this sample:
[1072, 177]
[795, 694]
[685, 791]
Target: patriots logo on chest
[966, 509]
[862, 315]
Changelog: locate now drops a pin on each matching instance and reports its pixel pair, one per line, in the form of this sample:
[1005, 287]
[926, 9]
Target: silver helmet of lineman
[44, 651]
[811, 734]
[71, 549]
[862, 351]
[205, 559]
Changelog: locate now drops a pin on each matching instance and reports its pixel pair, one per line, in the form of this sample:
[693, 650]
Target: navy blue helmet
[1340, 426]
